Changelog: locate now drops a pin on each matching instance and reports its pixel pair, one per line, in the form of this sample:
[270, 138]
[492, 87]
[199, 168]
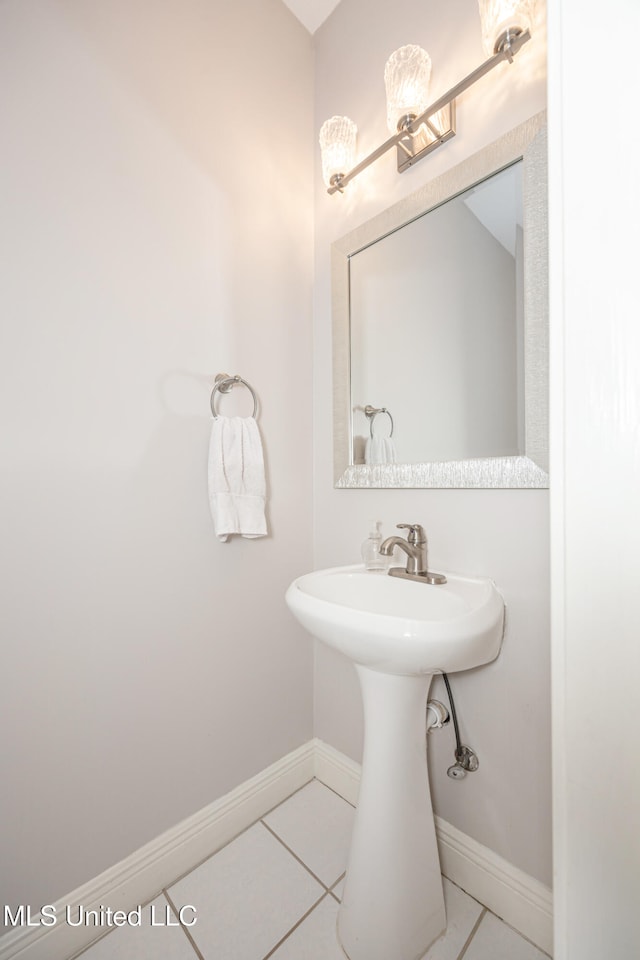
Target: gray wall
[146, 245]
[504, 707]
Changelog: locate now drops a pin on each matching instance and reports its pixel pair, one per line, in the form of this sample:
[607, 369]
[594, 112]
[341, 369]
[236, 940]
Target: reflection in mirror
[437, 313]
[440, 321]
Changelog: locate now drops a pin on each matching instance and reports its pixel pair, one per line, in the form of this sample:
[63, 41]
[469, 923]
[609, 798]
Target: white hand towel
[379, 450]
[237, 485]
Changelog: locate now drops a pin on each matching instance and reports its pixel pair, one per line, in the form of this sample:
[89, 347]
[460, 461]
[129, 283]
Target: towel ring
[372, 413]
[224, 384]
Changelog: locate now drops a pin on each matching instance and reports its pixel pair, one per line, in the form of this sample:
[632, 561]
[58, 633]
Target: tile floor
[274, 892]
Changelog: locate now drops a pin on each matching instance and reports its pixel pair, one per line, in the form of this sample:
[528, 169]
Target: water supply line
[466, 759]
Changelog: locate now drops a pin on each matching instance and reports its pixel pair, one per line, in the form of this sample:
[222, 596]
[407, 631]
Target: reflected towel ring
[224, 384]
[372, 413]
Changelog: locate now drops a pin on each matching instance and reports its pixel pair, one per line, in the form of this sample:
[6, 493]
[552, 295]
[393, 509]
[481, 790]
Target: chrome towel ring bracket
[225, 383]
[372, 413]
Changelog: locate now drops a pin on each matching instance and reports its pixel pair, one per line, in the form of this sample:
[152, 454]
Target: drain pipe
[437, 715]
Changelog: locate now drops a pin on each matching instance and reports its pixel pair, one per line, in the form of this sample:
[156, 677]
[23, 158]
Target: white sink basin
[400, 626]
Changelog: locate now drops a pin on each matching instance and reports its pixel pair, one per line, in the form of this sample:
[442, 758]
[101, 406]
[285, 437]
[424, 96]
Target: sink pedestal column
[393, 904]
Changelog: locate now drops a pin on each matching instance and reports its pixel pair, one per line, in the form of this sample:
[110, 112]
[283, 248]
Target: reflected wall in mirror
[436, 311]
[440, 319]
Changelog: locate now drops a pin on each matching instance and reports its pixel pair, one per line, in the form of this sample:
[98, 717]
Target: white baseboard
[521, 901]
[141, 876]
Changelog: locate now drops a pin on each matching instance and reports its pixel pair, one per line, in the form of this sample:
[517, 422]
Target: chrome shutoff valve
[466, 762]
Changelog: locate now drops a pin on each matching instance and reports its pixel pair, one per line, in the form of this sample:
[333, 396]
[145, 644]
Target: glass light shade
[406, 78]
[338, 146]
[499, 17]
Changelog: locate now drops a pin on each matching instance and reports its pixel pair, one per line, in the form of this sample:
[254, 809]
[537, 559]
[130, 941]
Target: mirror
[440, 329]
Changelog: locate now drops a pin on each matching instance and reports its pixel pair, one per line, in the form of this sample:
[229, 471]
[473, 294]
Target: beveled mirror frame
[526, 142]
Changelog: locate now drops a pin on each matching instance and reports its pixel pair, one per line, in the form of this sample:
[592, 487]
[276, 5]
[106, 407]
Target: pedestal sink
[398, 633]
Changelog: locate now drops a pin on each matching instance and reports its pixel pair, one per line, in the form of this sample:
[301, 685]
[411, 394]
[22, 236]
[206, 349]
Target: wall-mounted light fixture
[418, 127]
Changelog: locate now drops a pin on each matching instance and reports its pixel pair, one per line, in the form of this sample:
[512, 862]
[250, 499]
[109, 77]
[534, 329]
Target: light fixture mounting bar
[417, 145]
[507, 52]
[371, 158]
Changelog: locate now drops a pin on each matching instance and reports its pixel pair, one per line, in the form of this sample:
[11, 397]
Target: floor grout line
[209, 856]
[463, 890]
[352, 805]
[182, 926]
[334, 885]
[80, 953]
[295, 856]
[286, 799]
[295, 927]
[473, 933]
[521, 935]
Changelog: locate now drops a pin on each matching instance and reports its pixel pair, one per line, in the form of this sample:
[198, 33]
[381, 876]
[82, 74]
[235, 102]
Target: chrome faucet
[415, 547]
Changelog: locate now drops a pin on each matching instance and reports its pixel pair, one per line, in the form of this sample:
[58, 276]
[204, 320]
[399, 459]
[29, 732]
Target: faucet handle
[416, 532]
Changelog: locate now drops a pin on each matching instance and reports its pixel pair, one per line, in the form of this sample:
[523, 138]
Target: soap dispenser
[371, 556]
